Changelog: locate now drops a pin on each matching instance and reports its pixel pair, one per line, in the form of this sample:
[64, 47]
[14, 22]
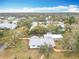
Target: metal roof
[8, 25]
[34, 43]
[56, 36]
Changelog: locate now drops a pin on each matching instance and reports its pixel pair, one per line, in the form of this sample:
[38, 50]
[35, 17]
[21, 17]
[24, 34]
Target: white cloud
[73, 8]
[70, 8]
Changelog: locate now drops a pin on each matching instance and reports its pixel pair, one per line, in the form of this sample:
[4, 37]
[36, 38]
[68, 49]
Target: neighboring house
[62, 25]
[49, 22]
[8, 25]
[54, 36]
[10, 18]
[36, 42]
[15, 21]
[3, 21]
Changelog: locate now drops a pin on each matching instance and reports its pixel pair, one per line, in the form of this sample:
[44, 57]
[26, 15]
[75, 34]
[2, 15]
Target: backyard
[22, 52]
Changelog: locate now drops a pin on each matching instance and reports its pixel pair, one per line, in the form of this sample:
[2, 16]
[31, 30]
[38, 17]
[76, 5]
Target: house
[10, 18]
[36, 42]
[49, 39]
[62, 25]
[15, 21]
[54, 36]
[7, 25]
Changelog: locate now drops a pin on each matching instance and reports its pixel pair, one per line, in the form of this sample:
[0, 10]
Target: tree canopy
[71, 41]
[70, 20]
[24, 22]
[38, 30]
[46, 50]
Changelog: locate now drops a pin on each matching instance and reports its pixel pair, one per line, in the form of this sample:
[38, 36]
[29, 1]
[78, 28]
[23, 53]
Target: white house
[49, 39]
[8, 25]
[10, 18]
[54, 36]
[62, 25]
[15, 21]
[36, 42]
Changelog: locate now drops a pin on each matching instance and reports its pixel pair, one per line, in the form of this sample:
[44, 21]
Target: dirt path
[42, 57]
[61, 50]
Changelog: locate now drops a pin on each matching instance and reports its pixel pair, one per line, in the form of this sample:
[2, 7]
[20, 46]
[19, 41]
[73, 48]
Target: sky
[39, 5]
